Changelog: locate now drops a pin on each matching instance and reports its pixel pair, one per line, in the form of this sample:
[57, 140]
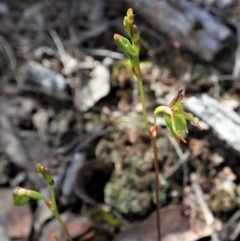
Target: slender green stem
[131, 50]
[142, 97]
[55, 212]
[137, 72]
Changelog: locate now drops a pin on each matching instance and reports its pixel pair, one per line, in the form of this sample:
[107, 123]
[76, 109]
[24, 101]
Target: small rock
[92, 90]
[3, 9]
[231, 103]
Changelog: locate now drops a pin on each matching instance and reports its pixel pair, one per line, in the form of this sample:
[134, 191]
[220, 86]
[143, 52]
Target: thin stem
[137, 73]
[55, 212]
[157, 185]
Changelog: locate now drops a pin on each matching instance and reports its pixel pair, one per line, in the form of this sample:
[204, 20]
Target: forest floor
[70, 101]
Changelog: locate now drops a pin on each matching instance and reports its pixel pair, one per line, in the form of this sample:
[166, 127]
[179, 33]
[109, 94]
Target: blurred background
[69, 100]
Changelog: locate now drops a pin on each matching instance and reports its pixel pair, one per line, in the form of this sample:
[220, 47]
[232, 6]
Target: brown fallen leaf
[174, 227]
[94, 87]
[11, 144]
[77, 226]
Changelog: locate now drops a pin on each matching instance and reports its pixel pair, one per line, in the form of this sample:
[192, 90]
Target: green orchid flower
[175, 118]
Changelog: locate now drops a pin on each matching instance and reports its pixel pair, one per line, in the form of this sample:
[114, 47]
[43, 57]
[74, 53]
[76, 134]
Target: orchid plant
[174, 115]
[21, 196]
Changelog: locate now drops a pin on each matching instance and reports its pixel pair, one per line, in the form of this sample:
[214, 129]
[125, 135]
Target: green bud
[19, 199]
[21, 196]
[46, 173]
[135, 37]
[130, 15]
[124, 45]
[127, 25]
[40, 168]
[128, 21]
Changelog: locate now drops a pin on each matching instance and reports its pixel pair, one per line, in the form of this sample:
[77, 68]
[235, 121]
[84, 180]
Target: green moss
[222, 201]
[100, 216]
[131, 193]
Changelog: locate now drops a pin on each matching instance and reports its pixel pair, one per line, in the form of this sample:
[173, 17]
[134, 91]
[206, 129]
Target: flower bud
[124, 45]
[127, 25]
[135, 37]
[130, 15]
[46, 173]
[21, 196]
[128, 21]
[40, 168]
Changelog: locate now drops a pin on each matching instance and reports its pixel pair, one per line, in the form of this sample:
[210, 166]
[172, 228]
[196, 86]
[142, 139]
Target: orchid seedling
[175, 118]
[21, 196]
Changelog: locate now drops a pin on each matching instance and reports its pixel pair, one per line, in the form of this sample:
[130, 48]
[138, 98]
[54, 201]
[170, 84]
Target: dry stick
[205, 209]
[183, 158]
[77, 86]
[65, 58]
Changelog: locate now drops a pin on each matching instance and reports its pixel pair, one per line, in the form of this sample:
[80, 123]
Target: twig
[183, 158]
[9, 52]
[105, 53]
[65, 58]
[56, 95]
[205, 209]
